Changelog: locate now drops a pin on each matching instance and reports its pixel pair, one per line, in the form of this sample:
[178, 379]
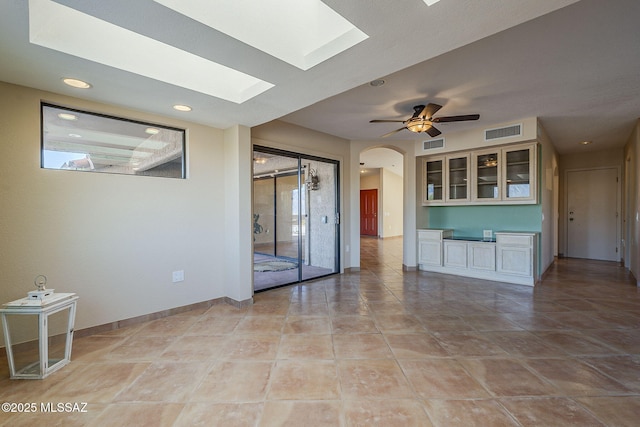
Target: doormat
[274, 265]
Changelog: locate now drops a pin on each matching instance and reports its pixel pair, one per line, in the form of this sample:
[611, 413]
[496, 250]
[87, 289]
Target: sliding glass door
[295, 217]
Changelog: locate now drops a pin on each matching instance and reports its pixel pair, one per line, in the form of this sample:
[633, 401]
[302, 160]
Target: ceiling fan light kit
[422, 120]
[418, 125]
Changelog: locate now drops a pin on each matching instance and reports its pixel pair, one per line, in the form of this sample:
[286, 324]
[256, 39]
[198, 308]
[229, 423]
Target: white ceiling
[573, 64]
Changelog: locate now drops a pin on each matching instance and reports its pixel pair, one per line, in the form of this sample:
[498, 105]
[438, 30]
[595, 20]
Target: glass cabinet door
[487, 177]
[434, 177]
[517, 165]
[458, 178]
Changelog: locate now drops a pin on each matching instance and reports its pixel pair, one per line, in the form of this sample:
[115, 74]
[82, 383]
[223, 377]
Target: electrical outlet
[487, 234]
[178, 276]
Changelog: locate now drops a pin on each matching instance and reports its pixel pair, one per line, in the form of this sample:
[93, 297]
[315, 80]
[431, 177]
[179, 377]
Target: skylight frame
[303, 33]
[70, 31]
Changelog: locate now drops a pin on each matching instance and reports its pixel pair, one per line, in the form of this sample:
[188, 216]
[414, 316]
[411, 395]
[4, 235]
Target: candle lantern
[38, 331]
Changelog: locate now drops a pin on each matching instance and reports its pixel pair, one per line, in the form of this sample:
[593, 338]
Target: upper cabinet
[433, 182]
[497, 175]
[519, 172]
[486, 185]
[457, 174]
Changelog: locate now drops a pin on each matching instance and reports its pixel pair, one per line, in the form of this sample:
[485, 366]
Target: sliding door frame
[336, 191]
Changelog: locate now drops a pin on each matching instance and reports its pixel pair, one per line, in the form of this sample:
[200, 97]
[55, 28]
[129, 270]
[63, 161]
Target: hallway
[375, 347]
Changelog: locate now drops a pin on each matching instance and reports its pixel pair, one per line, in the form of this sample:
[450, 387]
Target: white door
[592, 205]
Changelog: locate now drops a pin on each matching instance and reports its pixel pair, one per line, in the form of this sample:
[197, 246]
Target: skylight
[67, 30]
[302, 33]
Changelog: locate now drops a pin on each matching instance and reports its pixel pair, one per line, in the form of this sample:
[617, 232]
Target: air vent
[433, 143]
[505, 132]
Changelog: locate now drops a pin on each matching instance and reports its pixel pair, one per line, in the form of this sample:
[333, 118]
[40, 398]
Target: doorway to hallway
[295, 217]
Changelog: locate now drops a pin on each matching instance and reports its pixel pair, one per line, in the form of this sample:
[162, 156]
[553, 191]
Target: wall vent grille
[433, 143]
[505, 132]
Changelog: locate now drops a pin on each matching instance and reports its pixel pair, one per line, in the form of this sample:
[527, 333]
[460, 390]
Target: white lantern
[38, 332]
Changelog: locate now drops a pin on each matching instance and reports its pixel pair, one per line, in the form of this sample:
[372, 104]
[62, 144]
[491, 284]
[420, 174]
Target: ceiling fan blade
[392, 132]
[429, 110]
[417, 110]
[433, 132]
[455, 118]
[386, 121]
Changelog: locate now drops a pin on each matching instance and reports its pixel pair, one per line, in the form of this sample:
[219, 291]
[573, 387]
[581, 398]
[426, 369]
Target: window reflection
[82, 141]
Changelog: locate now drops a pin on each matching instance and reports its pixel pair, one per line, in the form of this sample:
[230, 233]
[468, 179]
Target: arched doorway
[381, 192]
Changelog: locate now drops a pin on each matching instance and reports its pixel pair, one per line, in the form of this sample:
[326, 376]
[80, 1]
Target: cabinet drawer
[434, 234]
[429, 235]
[514, 239]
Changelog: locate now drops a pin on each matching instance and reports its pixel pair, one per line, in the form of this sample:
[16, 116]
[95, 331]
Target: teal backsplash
[471, 220]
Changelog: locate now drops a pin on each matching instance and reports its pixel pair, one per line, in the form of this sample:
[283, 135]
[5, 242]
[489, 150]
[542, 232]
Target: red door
[369, 212]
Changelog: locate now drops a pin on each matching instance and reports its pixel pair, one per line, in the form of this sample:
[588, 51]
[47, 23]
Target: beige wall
[549, 199]
[112, 239]
[474, 138]
[370, 181]
[631, 202]
[392, 204]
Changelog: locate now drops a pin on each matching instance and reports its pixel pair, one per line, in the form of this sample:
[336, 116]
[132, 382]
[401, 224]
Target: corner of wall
[631, 204]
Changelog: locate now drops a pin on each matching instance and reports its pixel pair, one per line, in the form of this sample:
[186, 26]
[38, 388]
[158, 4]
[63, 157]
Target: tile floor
[378, 347]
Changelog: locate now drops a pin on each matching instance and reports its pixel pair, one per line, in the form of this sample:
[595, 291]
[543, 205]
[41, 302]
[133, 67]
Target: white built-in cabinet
[455, 253]
[497, 175]
[482, 256]
[471, 254]
[512, 258]
[515, 253]
[457, 177]
[433, 180]
[430, 246]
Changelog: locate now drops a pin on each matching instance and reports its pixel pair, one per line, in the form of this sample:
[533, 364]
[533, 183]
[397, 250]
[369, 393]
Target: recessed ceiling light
[67, 116]
[585, 142]
[75, 135]
[181, 107]
[152, 131]
[76, 83]
[376, 82]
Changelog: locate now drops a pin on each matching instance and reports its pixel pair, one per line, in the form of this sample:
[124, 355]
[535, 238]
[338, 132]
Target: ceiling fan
[422, 120]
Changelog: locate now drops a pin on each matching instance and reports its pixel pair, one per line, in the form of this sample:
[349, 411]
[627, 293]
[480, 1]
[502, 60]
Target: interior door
[592, 222]
[369, 212]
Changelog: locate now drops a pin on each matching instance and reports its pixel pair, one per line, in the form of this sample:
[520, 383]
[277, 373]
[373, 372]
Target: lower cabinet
[515, 253]
[511, 259]
[482, 256]
[430, 252]
[455, 253]
[430, 246]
